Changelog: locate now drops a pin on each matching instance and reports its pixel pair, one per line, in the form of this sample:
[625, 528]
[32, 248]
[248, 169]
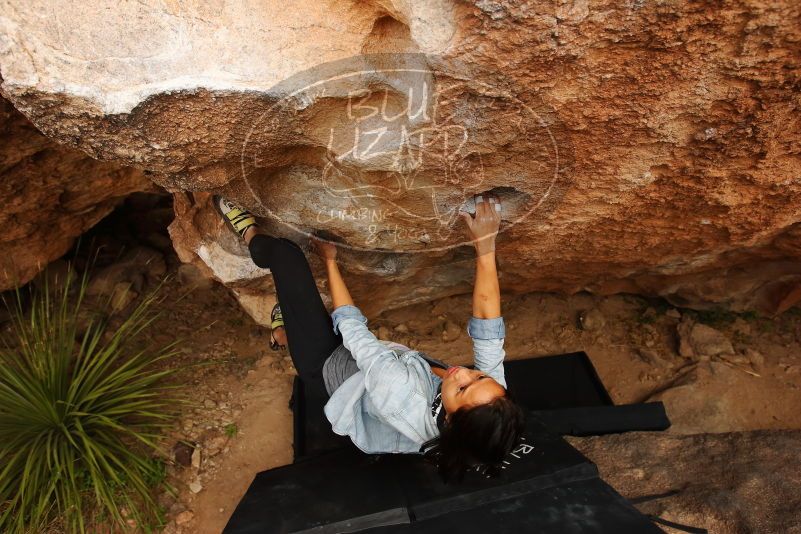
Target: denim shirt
[386, 406]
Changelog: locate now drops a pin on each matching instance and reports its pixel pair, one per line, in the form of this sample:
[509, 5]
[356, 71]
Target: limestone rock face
[50, 195]
[727, 483]
[636, 146]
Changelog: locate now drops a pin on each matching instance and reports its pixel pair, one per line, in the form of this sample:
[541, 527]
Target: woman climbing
[384, 396]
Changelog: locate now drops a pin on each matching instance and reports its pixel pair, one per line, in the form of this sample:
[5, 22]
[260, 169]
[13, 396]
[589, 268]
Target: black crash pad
[546, 486]
[600, 420]
[577, 507]
[555, 382]
[546, 482]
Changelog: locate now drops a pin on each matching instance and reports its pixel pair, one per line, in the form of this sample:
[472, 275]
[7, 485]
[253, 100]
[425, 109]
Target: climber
[384, 396]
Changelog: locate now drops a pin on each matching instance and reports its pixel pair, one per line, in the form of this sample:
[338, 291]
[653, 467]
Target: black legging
[310, 336]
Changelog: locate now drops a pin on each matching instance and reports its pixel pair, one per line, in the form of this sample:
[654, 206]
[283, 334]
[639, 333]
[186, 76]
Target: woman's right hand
[485, 225]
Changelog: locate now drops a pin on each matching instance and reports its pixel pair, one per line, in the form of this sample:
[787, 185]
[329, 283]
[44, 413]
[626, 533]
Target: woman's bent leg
[309, 329]
[311, 340]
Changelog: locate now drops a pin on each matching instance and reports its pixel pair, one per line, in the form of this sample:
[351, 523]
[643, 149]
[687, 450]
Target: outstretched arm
[486, 326]
[483, 229]
[336, 284]
[386, 379]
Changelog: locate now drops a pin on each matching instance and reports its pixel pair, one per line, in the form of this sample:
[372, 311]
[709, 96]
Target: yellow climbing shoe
[240, 219]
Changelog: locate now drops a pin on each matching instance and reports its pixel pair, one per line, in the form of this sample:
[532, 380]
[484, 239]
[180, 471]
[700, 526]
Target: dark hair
[477, 438]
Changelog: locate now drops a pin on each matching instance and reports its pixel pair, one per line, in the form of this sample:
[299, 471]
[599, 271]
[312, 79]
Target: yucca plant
[82, 408]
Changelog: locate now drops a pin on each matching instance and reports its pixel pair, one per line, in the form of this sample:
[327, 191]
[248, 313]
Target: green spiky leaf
[80, 415]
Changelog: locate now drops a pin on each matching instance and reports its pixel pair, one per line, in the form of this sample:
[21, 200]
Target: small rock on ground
[184, 517]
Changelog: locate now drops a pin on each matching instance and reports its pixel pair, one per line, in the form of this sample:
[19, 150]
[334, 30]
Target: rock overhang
[682, 164]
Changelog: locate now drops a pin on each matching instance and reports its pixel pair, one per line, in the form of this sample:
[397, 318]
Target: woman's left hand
[485, 225]
[325, 249]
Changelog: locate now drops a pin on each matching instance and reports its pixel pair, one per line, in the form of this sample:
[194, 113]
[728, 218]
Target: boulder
[451, 331]
[697, 340]
[755, 358]
[706, 341]
[592, 320]
[184, 517]
[192, 276]
[730, 483]
[700, 401]
[122, 295]
[684, 331]
[138, 265]
[51, 194]
[636, 147]
[183, 452]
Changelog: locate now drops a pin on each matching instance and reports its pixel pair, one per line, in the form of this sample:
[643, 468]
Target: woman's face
[463, 387]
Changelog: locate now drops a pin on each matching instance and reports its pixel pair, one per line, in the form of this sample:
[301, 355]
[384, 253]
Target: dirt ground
[242, 424]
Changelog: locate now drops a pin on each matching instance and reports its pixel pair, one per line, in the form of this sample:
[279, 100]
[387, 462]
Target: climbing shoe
[240, 219]
[276, 321]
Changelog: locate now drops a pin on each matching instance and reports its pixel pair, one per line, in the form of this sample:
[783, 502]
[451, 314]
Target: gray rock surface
[735, 483]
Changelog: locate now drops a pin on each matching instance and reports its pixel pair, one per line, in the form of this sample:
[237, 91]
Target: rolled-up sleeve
[486, 328]
[386, 379]
[488, 354]
[347, 311]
